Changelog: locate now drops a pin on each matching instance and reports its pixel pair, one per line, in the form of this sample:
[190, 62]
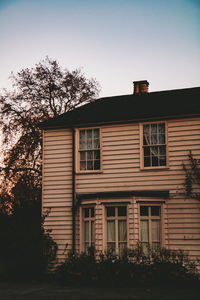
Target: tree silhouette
[39, 93]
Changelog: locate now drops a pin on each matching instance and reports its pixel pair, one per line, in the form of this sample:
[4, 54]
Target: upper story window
[154, 145]
[89, 149]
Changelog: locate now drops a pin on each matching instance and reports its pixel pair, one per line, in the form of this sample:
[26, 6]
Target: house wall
[121, 172]
[57, 187]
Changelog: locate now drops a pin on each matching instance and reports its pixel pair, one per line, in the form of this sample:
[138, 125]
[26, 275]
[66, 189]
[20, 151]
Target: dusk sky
[114, 41]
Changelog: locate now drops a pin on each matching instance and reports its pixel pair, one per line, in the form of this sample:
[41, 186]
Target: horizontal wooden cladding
[59, 175]
[159, 182]
[56, 160]
[61, 196]
[121, 147]
[56, 153]
[109, 176]
[184, 135]
[119, 187]
[53, 180]
[186, 225]
[52, 132]
[55, 203]
[183, 217]
[188, 242]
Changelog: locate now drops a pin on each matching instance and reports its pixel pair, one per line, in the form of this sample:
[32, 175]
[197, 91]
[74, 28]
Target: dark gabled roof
[154, 105]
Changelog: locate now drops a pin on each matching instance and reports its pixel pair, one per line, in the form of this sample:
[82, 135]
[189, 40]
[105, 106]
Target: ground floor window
[150, 227]
[88, 228]
[116, 222]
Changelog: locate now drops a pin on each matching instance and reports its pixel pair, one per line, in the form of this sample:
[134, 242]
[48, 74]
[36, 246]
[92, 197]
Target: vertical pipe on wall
[73, 191]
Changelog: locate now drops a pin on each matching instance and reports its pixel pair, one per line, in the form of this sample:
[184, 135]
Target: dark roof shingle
[154, 105]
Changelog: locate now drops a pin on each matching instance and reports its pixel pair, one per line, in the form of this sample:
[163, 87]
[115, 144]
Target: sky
[114, 41]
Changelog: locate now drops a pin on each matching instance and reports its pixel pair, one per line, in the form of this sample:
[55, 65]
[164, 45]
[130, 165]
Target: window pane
[87, 247]
[161, 139]
[89, 155]
[154, 129]
[162, 150]
[86, 212]
[111, 211]
[86, 231]
[82, 139]
[122, 249]
[89, 134]
[144, 211]
[155, 228]
[89, 144]
[144, 231]
[82, 155]
[111, 231]
[155, 210]
[147, 161]
[92, 231]
[122, 231]
[161, 128]
[146, 151]
[96, 133]
[146, 133]
[121, 211]
[89, 165]
[97, 165]
[154, 139]
[154, 151]
[111, 247]
[83, 165]
[162, 160]
[96, 144]
[92, 212]
[96, 154]
[154, 160]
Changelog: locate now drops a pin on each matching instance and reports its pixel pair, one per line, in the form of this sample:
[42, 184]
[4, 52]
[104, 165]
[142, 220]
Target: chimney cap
[141, 82]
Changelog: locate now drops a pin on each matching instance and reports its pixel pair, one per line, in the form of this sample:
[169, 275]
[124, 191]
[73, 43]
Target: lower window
[150, 227]
[116, 219]
[88, 228]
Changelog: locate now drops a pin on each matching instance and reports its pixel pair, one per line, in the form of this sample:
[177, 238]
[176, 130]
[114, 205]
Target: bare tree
[38, 93]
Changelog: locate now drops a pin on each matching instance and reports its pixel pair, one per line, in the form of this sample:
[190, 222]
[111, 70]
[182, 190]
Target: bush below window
[166, 267]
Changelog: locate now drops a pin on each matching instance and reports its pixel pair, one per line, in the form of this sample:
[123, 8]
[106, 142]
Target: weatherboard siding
[57, 187]
[121, 172]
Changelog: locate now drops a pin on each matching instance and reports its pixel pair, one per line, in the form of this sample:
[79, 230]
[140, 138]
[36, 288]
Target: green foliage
[164, 267]
[192, 177]
[26, 249]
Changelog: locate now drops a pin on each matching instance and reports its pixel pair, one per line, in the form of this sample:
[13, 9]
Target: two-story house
[113, 172]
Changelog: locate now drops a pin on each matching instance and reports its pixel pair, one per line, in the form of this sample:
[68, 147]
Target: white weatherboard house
[113, 172]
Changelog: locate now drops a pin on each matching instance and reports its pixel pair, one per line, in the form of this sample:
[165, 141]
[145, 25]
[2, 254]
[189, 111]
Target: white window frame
[150, 218]
[116, 218]
[142, 167]
[78, 151]
[89, 219]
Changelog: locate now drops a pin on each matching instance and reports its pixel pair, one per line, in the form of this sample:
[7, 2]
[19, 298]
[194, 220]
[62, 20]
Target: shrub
[26, 248]
[135, 269]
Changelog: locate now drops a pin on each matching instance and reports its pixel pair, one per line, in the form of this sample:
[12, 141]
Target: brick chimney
[141, 87]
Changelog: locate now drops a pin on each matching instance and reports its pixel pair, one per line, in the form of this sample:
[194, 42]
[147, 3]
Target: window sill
[89, 172]
[155, 168]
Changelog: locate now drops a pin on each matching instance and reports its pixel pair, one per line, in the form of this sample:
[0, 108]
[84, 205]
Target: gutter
[73, 191]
